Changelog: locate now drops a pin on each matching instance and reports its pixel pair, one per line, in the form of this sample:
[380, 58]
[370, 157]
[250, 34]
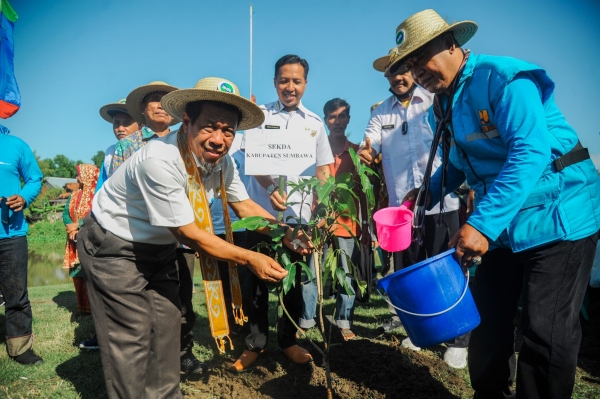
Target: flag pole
[250, 97]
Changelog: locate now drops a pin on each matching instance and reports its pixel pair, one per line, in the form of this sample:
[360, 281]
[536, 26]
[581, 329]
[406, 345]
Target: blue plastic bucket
[433, 300]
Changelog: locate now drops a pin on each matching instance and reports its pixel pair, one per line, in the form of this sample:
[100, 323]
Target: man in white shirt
[400, 131]
[285, 115]
[127, 244]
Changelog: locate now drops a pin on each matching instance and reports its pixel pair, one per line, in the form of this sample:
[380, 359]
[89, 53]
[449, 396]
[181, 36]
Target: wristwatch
[272, 188]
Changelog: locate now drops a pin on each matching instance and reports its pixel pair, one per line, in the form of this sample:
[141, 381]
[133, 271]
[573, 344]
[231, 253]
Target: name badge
[388, 126]
[271, 127]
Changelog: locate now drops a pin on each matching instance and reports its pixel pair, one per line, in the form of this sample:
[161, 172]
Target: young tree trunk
[318, 256]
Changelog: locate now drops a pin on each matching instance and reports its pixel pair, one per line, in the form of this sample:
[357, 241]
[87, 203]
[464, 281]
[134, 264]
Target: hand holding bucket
[433, 300]
[394, 227]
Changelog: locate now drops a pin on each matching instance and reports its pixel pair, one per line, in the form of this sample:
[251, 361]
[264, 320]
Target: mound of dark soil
[360, 369]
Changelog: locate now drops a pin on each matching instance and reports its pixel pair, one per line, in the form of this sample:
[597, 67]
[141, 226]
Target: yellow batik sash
[213, 287]
[234, 279]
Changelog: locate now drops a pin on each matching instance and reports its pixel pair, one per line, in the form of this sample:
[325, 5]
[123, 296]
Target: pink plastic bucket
[394, 227]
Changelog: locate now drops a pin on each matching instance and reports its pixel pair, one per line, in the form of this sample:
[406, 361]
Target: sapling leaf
[250, 223]
[331, 262]
[325, 189]
[355, 160]
[347, 199]
[295, 231]
[341, 277]
[306, 269]
[308, 184]
[290, 280]
[362, 286]
[343, 179]
[277, 233]
[341, 208]
[284, 257]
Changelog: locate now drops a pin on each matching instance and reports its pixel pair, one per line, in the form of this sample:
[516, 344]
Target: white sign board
[289, 152]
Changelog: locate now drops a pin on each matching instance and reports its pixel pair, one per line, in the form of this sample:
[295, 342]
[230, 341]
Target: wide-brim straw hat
[108, 111]
[215, 89]
[382, 63]
[421, 28]
[135, 98]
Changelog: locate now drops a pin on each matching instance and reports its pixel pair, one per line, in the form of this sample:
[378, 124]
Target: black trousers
[186, 260]
[258, 310]
[13, 284]
[551, 281]
[134, 295]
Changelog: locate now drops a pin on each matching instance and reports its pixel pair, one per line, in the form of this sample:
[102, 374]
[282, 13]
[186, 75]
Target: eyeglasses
[418, 58]
[397, 69]
[404, 127]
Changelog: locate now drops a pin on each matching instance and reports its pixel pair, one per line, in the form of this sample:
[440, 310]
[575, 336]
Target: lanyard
[442, 135]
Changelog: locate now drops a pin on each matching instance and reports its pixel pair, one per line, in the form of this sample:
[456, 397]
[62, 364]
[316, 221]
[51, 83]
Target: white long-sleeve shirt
[276, 117]
[405, 156]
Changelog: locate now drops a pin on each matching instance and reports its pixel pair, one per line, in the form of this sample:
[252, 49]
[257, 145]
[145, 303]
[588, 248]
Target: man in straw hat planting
[399, 131]
[146, 108]
[143, 104]
[160, 195]
[537, 196]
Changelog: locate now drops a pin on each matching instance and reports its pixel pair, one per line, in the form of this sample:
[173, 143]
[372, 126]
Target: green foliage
[336, 196]
[40, 208]
[250, 223]
[59, 166]
[98, 159]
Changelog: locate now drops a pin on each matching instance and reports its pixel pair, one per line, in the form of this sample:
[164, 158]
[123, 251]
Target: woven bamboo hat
[422, 27]
[215, 89]
[135, 98]
[108, 111]
[382, 63]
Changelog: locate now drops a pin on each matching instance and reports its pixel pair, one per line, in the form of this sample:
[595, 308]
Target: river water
[45, 264]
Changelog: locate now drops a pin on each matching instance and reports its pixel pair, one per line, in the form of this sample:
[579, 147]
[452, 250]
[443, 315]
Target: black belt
[577, 154]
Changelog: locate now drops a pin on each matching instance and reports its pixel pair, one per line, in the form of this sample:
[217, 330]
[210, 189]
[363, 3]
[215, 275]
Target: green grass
[47, 232]
[71, 373]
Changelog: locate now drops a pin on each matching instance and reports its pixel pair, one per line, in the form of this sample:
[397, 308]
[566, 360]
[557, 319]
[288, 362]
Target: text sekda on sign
[285, 151]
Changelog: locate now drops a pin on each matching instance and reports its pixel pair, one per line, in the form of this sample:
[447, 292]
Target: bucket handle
[385, 297]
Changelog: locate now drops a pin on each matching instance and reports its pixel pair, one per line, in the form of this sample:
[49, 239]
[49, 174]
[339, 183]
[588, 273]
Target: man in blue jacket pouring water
[537, 196]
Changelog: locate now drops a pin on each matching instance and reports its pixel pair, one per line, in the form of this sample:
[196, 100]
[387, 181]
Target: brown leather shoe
[298, 354]
[244, 361]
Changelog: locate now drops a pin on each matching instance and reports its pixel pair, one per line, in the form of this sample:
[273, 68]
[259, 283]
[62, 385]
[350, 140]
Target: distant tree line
[61, 166]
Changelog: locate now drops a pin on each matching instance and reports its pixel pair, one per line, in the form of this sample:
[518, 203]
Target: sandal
[244, 361]
[347, 334]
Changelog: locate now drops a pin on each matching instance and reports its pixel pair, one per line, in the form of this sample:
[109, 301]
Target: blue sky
[72, 57]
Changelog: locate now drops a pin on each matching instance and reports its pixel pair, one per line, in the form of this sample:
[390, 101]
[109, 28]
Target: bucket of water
[394, 227]
[433, 300]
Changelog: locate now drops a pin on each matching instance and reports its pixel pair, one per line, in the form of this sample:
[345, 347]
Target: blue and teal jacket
[507, 131]
[17, 161]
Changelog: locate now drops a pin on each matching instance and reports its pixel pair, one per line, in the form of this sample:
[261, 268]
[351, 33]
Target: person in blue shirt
[537, 203]
[17, 162]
